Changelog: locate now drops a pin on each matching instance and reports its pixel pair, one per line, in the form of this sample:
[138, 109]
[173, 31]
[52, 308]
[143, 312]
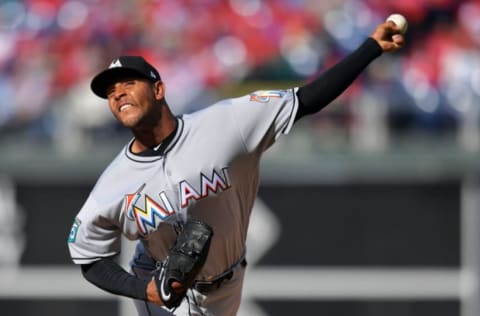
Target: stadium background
[368, 208]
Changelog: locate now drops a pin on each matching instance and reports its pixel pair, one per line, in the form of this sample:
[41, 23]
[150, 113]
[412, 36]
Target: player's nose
[118, 92]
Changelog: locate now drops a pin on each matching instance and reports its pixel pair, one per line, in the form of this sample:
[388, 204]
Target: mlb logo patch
[264, 96]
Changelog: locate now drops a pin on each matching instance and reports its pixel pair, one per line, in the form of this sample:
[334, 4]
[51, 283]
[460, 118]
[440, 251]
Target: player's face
[134, 102]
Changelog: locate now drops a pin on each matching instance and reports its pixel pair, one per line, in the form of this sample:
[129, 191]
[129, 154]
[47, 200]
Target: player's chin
[128, 121]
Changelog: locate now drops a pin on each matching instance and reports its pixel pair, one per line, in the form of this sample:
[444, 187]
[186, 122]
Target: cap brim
[103, 80]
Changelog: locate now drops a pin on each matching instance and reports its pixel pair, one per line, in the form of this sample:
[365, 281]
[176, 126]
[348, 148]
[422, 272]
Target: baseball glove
[186, 258]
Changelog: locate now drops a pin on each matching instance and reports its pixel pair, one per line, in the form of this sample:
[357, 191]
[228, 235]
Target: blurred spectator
[49, 50]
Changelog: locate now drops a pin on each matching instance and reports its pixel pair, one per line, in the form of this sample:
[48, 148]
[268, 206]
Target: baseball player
[202, 168]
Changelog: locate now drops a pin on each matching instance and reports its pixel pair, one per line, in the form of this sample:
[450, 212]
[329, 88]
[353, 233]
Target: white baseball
[399, 20]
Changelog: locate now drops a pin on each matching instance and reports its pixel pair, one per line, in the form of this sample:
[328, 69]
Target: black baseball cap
[123, 67]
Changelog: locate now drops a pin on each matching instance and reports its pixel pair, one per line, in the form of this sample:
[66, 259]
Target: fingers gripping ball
[184, 262]
[399, 20]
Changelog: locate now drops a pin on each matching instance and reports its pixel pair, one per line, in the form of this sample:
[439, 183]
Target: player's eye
[110, 92]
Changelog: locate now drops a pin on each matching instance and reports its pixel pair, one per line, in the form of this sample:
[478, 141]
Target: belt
[208, 286]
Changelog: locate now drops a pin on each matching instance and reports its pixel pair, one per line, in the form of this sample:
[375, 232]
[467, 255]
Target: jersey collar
[153, 155]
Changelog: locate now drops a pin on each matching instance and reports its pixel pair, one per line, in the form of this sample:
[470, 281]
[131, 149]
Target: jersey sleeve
[94, 234]
[263, 116]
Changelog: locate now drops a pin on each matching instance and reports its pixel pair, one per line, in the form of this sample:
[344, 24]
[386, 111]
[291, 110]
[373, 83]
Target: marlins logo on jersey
[147, 217]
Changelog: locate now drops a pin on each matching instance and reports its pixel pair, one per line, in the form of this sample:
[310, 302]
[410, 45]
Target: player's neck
[152, 138]
[153, 129]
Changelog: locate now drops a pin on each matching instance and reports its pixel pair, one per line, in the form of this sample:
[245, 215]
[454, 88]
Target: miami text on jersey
[146, 218]
[207, 185]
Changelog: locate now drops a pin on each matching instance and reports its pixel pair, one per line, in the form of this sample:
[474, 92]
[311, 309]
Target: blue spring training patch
[73, 232]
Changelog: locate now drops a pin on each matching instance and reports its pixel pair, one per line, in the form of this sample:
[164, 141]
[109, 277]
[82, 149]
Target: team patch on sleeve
[264, 96]
[73, 232]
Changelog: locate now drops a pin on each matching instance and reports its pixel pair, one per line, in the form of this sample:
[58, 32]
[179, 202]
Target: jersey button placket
[170, 185]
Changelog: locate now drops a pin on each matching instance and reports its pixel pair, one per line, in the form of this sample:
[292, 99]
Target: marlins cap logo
[115, 63]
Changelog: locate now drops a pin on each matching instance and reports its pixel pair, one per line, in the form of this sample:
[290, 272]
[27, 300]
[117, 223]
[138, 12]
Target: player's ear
[159, 90]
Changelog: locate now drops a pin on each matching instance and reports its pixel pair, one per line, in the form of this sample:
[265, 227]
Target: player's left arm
[319, 93]
[111, 277]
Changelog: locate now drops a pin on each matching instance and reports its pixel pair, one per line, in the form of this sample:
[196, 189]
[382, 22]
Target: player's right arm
[329, 85]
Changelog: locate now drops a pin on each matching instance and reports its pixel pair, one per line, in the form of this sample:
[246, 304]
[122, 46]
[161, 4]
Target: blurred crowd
[49, 50]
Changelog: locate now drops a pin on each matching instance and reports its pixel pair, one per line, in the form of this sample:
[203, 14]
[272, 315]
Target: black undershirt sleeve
[319, 93]
[111, 277]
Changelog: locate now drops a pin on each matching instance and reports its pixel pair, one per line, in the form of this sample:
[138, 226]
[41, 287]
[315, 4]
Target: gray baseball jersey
[210, 171]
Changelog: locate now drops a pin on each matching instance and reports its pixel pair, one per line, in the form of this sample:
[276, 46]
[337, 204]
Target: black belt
[208, 286]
